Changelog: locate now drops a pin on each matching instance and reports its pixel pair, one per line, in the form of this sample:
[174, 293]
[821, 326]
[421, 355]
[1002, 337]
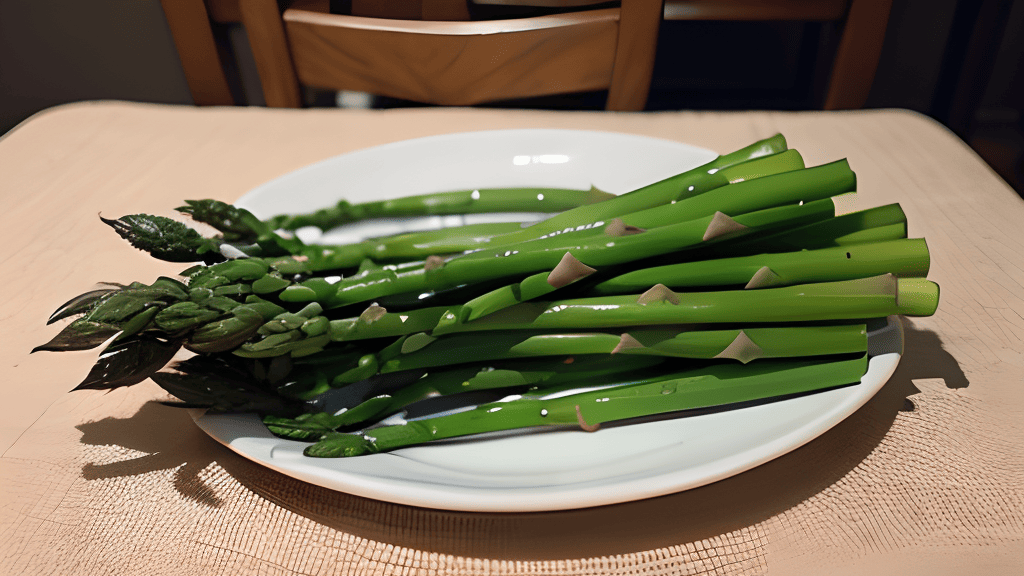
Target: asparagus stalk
[715, 385]
[685, 185]
[442, 242]
[750, 195]
[531, 258]
[872, 225]
[505, 376]
[849, 299]
[904, 258]
[743, 345]
[165, 239]
[421, 350]
[477, 201]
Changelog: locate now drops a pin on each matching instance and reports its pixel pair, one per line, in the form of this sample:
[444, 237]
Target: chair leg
[859, 51]
[193, 37]
[263, 24]
[634, 58]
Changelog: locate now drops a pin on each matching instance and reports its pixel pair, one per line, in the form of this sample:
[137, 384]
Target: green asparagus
[731, 282]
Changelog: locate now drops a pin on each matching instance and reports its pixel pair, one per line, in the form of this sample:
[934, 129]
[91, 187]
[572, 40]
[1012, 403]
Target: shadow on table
[171, 440]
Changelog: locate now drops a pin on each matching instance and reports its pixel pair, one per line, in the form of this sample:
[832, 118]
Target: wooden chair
[191, 29]
[862, 22]
[454, 62]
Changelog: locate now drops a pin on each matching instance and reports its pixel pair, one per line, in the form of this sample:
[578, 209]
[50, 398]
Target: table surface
[927, 478]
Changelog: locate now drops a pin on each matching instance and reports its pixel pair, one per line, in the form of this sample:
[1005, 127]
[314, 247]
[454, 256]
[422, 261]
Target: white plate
[555, 470]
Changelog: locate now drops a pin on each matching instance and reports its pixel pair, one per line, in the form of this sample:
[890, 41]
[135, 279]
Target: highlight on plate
[733, 282]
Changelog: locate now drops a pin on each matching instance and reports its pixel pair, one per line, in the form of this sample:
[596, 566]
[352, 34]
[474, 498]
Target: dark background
[58, 51]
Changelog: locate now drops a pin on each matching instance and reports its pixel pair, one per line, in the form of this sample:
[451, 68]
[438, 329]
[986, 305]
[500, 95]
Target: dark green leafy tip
[226, 334]
[79, 335]
[120, 306]
[171, 287]
[184, 316]
[338, 445]
[236, 224]
[129, 362]
[79, 304]
[162, 237]
[139, 322]
[222, 384]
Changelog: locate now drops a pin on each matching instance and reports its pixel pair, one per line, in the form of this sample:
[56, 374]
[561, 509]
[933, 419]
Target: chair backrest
[454, 63]
[862, 25]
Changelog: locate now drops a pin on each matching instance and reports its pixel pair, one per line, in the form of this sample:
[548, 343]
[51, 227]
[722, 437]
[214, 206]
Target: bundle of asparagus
[731, 282]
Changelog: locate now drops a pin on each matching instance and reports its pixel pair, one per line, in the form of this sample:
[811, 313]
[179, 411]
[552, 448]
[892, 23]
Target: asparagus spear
[850, 299]
[714, 385]
[530, 258]
[743, 345]
[505, 376]
[904, 258]
[242, 233]
[166, 239]
[475, 201]
[685, 185]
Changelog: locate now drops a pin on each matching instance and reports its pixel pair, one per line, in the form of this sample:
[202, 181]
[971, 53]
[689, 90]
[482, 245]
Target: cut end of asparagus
[721, 225]
[433, 263]
[373, 313]
[626, 342]
[742, 348]
[845, 203]
[230, 252]
[658, 293]
[917, 297]
[619, 228]
[765, 277]
[569, 270]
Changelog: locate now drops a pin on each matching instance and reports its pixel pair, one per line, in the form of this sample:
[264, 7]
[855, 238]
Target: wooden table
[927, 478]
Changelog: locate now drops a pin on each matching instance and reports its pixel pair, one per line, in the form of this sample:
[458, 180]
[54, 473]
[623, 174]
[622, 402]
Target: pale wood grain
[927, 478]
